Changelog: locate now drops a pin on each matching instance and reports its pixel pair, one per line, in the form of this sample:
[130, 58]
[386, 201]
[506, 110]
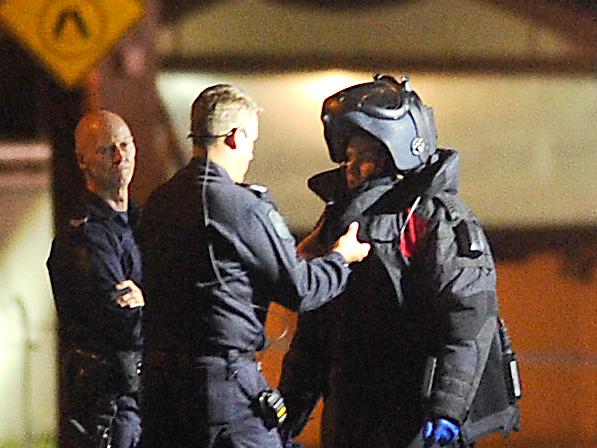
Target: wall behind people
[442, 34]
[27, 339]
[523, 164]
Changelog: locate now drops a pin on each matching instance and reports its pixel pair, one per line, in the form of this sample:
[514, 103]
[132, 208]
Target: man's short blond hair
[218, 110]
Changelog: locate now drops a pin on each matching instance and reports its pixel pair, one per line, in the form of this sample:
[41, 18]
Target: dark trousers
[373, 416]
[96, 405]
[206, 402]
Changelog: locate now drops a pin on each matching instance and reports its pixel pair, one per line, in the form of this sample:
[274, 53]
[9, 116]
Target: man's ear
[231, 137]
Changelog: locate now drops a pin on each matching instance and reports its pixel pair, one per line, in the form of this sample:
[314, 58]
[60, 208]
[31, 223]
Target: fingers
[349, 246]
[126, 284]
[353, 229]
[120, 286]
[364, 250]
[132, 298]
[122, 301]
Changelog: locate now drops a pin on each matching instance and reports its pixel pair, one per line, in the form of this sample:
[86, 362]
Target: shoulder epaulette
[258, 190]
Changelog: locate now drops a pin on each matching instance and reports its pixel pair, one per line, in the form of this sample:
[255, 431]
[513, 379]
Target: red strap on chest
[413, 235]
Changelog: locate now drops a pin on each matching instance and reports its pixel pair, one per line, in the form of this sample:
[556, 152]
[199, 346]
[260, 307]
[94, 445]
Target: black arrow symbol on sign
[74, 15]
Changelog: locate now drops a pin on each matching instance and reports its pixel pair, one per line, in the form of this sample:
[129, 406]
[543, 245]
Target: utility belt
[119, 371]
[165, 358]
[230, 356]
[268, 403]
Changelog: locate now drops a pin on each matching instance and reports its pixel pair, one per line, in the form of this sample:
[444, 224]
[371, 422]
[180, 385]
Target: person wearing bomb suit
[411, 354]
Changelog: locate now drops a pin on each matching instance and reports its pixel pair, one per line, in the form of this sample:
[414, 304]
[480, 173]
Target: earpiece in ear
[230, 138]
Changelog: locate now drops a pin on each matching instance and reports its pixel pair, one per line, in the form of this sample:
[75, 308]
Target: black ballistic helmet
[388, 110]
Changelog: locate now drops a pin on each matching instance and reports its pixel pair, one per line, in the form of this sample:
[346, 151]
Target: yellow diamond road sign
[70, 36]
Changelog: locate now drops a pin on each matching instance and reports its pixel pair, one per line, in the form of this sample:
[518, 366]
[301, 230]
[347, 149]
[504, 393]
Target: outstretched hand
[350, 247]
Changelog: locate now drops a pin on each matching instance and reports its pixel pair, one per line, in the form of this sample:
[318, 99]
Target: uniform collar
[331, 186]
[443, 174]
[209, 168]
[99, 210]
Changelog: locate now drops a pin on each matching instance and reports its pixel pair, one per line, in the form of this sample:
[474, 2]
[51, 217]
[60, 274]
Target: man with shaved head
[95, 270]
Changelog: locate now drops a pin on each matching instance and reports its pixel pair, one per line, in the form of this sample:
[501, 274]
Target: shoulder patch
[279, 224]
[470, 240]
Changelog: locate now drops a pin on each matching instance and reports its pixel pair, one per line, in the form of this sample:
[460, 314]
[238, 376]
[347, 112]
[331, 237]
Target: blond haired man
[216, 253]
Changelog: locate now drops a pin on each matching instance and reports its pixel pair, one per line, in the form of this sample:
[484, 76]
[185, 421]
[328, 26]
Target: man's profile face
[107, 154]
[365, 159]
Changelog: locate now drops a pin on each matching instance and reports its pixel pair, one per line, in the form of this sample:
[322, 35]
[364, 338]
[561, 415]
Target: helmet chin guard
[388, 110]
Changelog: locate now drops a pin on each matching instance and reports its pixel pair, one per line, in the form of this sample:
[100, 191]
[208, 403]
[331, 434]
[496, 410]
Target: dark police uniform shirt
[96, 251]
[215, 254]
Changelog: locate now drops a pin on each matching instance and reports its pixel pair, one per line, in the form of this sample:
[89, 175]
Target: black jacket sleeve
[462, 294]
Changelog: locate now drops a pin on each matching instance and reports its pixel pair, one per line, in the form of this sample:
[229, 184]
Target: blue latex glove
[440, 431]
